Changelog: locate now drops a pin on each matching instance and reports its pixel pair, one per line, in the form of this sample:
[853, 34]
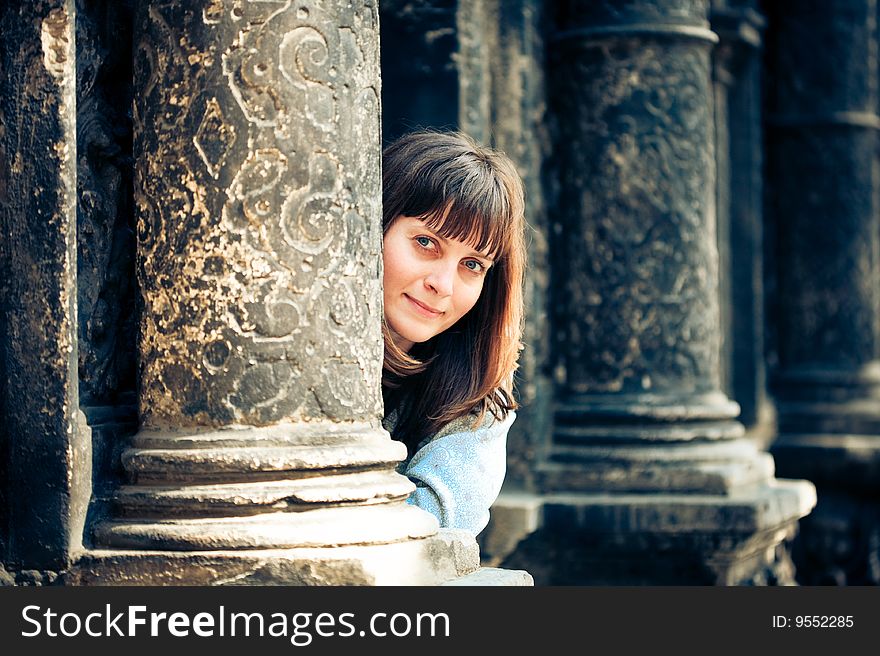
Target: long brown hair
[464, 191]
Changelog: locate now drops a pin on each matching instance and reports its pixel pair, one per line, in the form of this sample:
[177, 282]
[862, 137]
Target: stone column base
[430, 561]
[657, 539]
[849, 461]
[514, 516]
[839, 543]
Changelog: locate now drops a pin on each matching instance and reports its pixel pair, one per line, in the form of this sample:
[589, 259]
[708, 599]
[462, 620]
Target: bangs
[481, 221]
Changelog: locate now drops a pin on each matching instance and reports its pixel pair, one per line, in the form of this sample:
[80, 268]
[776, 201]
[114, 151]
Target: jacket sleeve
[458, 476]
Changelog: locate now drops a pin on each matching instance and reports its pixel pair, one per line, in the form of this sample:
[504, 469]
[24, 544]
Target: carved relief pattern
[641, 306]
[259, 237]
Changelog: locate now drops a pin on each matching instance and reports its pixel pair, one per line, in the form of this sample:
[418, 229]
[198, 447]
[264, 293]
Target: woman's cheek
[474, 295]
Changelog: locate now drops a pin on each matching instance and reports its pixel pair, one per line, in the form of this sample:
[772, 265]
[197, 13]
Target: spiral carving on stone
[258, 233]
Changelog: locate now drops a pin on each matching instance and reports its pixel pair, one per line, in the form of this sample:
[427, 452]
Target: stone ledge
[430, 561]
[513, 516]
[747, 510]
[752, 513]
[849, 462]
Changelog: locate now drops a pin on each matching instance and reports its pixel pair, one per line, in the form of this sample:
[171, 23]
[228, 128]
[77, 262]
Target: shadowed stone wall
[106, 285]
[739, 163]
[503, 103]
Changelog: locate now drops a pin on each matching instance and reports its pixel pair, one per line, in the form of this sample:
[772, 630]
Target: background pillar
[739, 157]
[502, 102]
[823, 184]
[648, 480]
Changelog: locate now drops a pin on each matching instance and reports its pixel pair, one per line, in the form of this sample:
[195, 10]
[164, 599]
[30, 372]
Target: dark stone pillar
[502, 100]
[739, 149]
[44, 438]
[824, 196]
[649, 480]
[257, 186]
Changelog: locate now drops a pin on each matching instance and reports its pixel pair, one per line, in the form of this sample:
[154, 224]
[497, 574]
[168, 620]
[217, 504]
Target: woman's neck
[400, 342]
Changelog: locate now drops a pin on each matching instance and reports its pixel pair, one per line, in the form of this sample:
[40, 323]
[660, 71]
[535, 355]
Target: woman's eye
[424, 242]
[473, 265]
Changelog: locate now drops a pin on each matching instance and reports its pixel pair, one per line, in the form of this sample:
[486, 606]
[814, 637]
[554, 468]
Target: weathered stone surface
[6, 579]
[697, 539]
[641, 406]
[42, 432]
[639, 257]
[463, 549]
[309, 527]
[515, 515]
[708, 469]
[257, 149]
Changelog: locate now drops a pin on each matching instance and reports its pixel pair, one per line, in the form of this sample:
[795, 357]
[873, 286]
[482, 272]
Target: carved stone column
[648, 480]
[257, 188]
[824, 180]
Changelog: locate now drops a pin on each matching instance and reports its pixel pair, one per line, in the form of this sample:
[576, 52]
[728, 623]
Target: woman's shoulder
[473, 427]
[458, 473]
[472, 422]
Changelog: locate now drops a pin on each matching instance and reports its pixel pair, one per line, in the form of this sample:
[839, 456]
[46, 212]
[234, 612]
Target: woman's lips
[421, 308]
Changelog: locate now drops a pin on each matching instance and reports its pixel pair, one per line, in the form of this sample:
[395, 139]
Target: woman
[454, 258]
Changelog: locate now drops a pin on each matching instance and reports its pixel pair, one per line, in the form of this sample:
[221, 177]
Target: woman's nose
[441, 278]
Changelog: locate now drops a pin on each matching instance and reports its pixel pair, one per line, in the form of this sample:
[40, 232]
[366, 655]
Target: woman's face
[430, 281]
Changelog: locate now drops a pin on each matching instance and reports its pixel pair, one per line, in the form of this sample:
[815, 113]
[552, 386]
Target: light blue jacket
[458, 473]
